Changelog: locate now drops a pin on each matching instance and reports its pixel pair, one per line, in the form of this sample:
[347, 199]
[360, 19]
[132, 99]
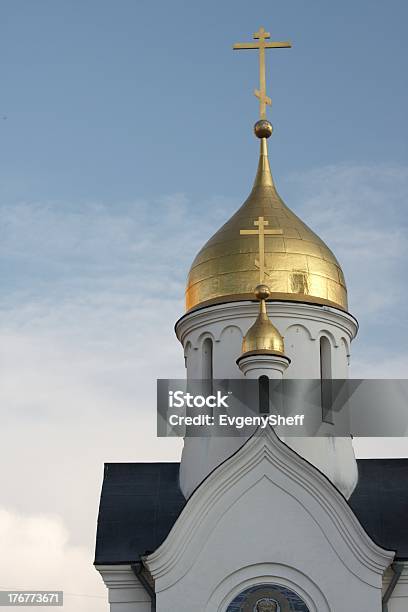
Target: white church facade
[262, 523]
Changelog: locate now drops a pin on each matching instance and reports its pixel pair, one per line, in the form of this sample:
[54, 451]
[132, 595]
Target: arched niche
[229, 348]
[207, 350]
[267, 598]
[297, 329]
[300, 347]
[326, 375]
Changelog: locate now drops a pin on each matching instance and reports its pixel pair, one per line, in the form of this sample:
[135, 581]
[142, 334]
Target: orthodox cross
[262, 36]
[261, 232]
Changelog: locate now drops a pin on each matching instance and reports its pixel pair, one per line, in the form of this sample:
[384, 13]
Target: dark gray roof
[140, 503]
[380, 502]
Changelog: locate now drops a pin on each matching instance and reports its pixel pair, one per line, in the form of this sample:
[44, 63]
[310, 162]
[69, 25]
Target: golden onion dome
[263, 337]
[299, 266]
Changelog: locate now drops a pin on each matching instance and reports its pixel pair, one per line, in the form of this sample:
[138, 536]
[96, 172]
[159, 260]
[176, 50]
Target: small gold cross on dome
[261, 232]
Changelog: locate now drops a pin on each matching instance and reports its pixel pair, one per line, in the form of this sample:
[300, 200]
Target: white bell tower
[316, 332]
[302, 330]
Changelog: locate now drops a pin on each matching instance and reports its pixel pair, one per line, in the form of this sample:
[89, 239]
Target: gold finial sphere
[262, 292]
[263, 128]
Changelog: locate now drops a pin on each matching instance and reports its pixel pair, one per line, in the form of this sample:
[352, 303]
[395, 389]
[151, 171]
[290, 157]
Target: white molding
[125, 589]
[267, 573]
[319, 498]
[234, 311]
[254, 366]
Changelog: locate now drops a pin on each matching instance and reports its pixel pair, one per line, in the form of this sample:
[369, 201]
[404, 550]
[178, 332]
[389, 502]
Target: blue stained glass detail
[285, 598]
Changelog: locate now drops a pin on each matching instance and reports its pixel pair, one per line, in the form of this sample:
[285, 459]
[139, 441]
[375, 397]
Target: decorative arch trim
[307, 330]
[267, 573]
[325, 333]
[187, 348]
[205, 336]
[346, 344]
[193, 321]
[227, 327]
[173, 559]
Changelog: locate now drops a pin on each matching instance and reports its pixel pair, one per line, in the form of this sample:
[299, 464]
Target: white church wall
[266, 516]
[227, 349]
[302, 351]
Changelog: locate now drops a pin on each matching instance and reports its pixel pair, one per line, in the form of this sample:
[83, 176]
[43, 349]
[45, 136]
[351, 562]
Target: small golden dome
[263, 337]
[298, 265]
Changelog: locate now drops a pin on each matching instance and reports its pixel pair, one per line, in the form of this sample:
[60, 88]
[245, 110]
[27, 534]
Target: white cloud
[360, 211]
[393, 366]
[36, 554]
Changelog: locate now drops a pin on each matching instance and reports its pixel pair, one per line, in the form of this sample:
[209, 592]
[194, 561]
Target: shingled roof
[140, 502]
[380, 502]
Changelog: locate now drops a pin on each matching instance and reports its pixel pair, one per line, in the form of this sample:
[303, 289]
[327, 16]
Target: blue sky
[125, 141]
[98, 93]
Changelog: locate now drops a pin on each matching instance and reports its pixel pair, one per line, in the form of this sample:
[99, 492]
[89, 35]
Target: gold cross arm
[269, 232]
[261, 37]
[267, 45]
